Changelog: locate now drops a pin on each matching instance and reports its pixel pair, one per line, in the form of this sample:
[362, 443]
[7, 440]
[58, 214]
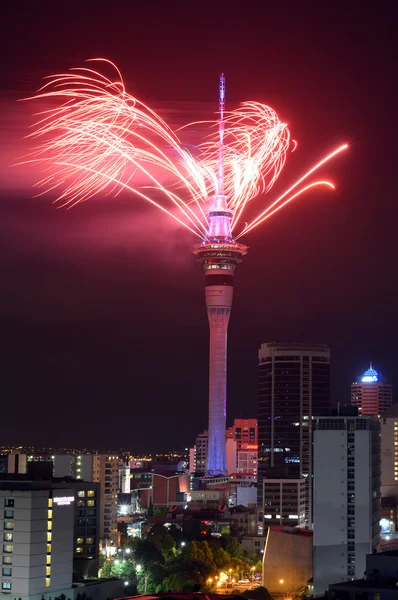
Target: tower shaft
[218, 303]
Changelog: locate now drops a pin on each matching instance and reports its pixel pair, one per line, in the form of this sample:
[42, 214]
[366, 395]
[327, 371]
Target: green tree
[220, 558]
[234, 548]
[251, 557]
[178, 582]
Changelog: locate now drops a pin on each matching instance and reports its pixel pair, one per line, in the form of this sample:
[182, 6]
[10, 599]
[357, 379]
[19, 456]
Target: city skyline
[78, 336]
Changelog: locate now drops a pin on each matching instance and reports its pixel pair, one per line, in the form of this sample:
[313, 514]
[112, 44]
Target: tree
[178, 582]
[234, 548]
[163, 541]
[220, 558]
[150, 510]
[146, 553]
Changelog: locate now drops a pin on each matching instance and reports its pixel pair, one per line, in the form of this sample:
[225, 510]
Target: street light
[126, 583]
[128, 550]
[138, 568]
[281, 581]
[182, 544]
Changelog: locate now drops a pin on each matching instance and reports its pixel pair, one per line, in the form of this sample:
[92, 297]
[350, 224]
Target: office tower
[371, 395]
[293, 388]
[284, 502]
[106, 472]
[37, 550]
[346, 497]
[389, 453]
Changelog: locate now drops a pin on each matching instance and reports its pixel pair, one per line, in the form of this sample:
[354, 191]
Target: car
[243, 581]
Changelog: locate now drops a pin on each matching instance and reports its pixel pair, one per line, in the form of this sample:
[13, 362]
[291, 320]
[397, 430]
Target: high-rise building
[371, 395]
[284, 502]
[106, 472]
[293, 388]
[346, 497]
[389, 453]
[244, 432]
[37, 550]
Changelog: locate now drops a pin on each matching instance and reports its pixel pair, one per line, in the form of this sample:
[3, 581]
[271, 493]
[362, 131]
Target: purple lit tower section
[219, 254]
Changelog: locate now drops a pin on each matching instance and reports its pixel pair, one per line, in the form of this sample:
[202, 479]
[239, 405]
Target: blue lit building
[371, 394]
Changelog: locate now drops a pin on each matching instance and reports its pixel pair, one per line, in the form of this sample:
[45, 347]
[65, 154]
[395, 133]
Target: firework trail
[98, 138]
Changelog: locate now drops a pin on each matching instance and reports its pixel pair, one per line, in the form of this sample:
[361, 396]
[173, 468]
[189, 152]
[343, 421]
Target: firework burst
[97, 138]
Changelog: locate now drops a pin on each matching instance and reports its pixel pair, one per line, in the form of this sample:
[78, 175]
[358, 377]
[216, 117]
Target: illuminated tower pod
[219, 254]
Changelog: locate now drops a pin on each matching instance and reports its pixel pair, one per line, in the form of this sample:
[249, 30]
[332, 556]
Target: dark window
[9, 502]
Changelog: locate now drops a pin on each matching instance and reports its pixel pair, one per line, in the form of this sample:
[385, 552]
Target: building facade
[106, 473]
[371, 395]
[346, 497]
[241, 448]
[389, 453]
[37, 527]
[293, 388]
[284, 502]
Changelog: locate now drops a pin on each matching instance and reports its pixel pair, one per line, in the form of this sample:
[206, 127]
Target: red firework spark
[98, 138]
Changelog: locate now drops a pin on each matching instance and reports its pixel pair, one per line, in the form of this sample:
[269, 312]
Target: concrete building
[253, 542]
[389, 453]
[346, 497]
[244, 520]
[293, 388]
[287, 564]
[284, 502]
[37, 524]
[106, 472]
[169, 489]
[379, 581]
[100, 468]
[371, 395]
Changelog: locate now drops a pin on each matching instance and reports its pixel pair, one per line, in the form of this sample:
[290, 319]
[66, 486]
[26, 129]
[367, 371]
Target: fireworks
[99, 139]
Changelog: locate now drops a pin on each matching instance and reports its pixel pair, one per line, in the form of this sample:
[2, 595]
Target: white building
[37, 525]
[284, 502]
[389, 453]
[346, 497]
[100, 468]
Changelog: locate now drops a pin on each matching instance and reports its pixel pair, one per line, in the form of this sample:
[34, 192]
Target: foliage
[221, 558]
[145, 553]
[160, 537]
[260, 593]
[178, 582]
[234, 548]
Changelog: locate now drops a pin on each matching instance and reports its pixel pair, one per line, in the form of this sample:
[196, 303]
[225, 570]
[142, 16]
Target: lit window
[7, 560]
[48, 571]
[8, 524]
[8, 548]
[91, 493]
[48, 559]
[79, 550]
[48, 548]
[8, 514]
[79, 541]
[6, 586]
[49, 536]
[49, 525]
[47, 582]
[50, 503]
[49, 514]
[90, 502]
[90, 541]
[81, 493]
[7, 572]
[8, 537]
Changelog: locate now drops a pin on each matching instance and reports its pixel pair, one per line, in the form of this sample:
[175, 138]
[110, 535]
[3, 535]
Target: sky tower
[220, 254]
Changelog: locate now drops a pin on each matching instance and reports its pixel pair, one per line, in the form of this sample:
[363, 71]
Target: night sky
[104, 332]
